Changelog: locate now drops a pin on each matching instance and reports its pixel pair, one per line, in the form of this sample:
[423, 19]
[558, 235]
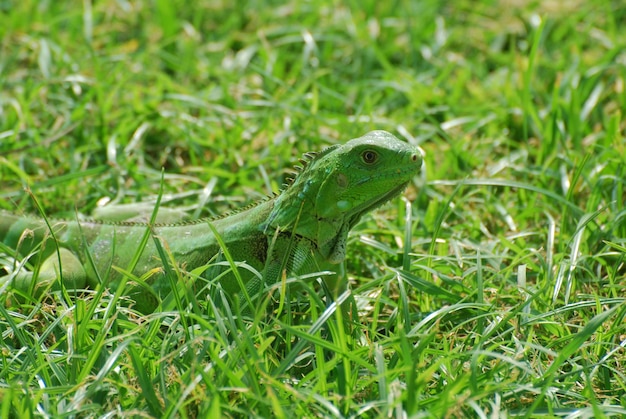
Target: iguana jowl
[302, 230]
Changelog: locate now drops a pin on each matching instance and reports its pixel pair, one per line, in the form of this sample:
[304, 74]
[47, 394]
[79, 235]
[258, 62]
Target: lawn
[494, 287]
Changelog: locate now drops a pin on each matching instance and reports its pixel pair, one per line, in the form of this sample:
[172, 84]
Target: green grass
[499, 292]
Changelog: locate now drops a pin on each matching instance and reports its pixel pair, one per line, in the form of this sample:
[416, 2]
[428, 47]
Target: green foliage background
[504, 293]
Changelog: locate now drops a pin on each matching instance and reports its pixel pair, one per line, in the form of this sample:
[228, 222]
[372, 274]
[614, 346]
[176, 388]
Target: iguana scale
[302, 230]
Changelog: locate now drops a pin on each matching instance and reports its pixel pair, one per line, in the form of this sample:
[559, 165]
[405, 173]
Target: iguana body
[302, 230]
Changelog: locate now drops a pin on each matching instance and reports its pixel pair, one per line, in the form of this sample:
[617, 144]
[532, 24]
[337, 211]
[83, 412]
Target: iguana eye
[369, 156]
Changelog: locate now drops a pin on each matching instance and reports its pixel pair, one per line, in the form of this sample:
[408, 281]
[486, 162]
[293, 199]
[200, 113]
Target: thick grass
[498, 292]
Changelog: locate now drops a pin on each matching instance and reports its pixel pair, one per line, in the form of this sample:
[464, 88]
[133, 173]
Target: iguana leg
[72, 274]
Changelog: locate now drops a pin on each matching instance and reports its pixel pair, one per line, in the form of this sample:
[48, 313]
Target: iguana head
[340, 184]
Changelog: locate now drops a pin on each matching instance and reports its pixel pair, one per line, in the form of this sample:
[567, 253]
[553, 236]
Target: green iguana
[302, 230]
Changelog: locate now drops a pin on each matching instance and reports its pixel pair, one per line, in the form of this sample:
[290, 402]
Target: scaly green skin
[302, 230]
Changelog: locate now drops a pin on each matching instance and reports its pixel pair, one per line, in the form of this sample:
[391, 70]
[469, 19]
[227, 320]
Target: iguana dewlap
[302, 230]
